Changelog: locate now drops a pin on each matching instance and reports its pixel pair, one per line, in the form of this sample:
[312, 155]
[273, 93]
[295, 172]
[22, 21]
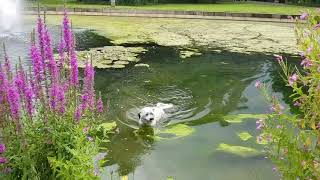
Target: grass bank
[243, 7]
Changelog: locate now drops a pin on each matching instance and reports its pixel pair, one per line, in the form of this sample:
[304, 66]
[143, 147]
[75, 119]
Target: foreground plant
[294, 140]
[46, 118]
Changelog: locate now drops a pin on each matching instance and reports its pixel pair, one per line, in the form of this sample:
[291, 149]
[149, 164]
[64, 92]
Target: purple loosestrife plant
[294, 138]
[88, 88]
[67, 33]
[43, 113]
[14, 101]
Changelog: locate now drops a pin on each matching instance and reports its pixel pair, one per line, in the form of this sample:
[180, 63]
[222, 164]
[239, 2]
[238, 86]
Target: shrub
[294, 139]
[46, 115]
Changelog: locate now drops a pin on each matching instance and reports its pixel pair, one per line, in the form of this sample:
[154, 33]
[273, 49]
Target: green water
[203, 89]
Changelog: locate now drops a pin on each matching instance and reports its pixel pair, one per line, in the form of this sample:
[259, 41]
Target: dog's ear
[139, 115]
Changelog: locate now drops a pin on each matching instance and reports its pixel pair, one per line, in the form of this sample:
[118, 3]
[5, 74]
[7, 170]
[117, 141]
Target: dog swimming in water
[152, 115]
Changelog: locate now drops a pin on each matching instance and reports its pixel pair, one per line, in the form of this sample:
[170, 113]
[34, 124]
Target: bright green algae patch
[107, 127]
[174, 132]
[238, 150]
[244, 136]
[238, 118]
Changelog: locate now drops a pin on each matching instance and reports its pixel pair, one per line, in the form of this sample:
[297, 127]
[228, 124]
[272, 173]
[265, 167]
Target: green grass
[242, 7]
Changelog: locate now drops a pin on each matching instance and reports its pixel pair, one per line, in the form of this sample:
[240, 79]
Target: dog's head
[146, 116]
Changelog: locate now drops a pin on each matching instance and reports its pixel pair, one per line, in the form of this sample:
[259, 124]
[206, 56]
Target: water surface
[204, 89]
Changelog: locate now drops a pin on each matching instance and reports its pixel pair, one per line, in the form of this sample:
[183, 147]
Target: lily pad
[238, 118]
[238, 150]
[244, 136]
[174, 132]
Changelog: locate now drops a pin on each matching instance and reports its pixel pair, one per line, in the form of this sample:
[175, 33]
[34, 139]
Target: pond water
[204, 90]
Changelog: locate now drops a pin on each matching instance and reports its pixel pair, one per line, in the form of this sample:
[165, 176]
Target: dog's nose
[151, 119]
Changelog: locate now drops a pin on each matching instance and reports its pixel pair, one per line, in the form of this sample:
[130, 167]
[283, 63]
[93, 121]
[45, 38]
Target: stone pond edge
[164, 14]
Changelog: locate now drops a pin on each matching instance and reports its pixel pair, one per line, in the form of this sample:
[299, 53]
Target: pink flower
[2, 148]
[304, 16]
[89, 138]
[278, 58]
[274, 169]
[85, 130]
[293, 79]
[3, 160]
[306, 63]
[309, 50]
[259, 124]
[297, 104]
[258, 84]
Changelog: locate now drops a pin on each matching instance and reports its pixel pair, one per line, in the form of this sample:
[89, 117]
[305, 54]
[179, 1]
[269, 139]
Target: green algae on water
[238, 150]
[244, 136]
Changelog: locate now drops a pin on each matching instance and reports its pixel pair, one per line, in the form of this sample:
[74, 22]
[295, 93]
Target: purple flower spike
[78, 114]
[61, 48]
[49, 55]
[74, 70]
[37, 63]
[14, 101]
[29, 100]
[88, 88]
[304, 16]
[67, 34]
[54, 96]
[61, 99]
[2, 148]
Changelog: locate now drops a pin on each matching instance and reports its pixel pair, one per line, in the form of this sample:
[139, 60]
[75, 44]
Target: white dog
[152, 115]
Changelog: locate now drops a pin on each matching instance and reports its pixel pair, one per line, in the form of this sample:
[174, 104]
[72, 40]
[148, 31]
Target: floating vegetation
[174, 132]
[238, 150]
[108, 127]
[245, 136]
[189, 53]
[116, 57]
[238, 118]
[142, 65]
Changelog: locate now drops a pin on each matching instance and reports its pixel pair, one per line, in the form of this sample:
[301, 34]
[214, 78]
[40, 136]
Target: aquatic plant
[293, 140]
[46, 119]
